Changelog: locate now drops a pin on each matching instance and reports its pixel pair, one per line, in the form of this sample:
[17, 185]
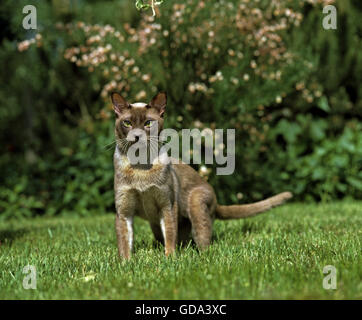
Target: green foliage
[79, 182]
[291, 89]
[16, 203]
[331, 169]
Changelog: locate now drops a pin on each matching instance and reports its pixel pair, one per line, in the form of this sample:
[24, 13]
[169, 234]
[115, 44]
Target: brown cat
[173, 197]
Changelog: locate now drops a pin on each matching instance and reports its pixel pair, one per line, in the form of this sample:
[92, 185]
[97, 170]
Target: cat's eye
[127, 123]
[149, 123]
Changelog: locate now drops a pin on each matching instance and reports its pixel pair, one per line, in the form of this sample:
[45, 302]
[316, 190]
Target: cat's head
[136, 119]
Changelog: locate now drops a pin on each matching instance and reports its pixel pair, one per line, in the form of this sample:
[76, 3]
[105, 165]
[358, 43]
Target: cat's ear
[159, 102]
[119, 103]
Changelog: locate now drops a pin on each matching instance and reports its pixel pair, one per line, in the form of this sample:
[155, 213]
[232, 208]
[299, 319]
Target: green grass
[280, 254]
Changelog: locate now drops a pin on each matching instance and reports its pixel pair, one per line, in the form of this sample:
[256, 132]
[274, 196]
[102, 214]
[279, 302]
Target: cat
[173, 197]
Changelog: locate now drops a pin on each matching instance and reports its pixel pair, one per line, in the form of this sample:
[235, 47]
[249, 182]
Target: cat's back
[189, 177]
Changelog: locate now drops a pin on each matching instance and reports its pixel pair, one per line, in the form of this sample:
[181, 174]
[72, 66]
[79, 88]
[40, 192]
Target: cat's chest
[150, 186]
[141, 180]
[149, 203]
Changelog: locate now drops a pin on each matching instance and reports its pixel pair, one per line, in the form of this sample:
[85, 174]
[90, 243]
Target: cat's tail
[252, 209]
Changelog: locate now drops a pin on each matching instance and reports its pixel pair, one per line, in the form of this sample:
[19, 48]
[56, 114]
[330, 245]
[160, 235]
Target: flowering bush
[197, 51]
[221, 63]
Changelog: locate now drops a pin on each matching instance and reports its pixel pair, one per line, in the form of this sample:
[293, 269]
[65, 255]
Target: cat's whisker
[125, 144]
[120, 142]
[108, 144]
[114, 141]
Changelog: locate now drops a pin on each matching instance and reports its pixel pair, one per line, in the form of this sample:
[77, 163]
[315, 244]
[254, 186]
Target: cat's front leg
[169, 228]
[124, 231]
[126, 207]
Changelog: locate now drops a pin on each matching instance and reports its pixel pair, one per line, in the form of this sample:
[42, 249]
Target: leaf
[317, 130]
[140, 5]
[340, 161]
[284, 176]
[354, 182]
[341, 187]
[323, 104]
[289, 130]
[318, 174]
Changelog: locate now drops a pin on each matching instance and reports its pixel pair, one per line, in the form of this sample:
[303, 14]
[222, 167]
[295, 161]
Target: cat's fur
[173, 197]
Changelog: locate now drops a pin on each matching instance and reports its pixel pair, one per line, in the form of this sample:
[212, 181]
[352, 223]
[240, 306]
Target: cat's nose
[135, 135]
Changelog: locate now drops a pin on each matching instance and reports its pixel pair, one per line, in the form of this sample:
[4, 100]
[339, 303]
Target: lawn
[280, 254]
